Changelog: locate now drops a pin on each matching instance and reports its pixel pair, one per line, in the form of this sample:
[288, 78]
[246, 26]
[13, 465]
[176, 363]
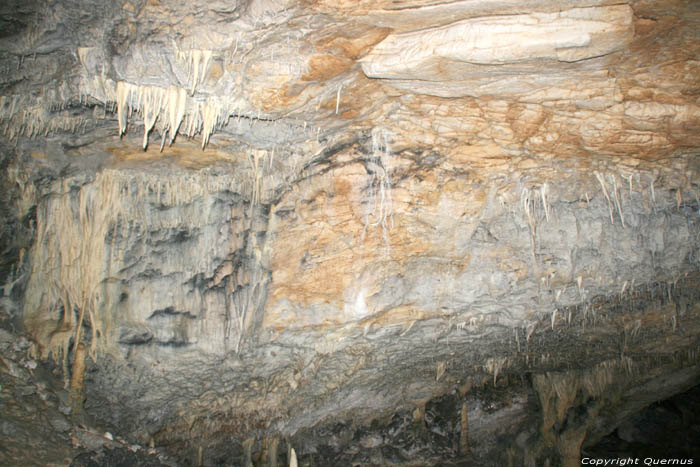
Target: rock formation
[354, 233]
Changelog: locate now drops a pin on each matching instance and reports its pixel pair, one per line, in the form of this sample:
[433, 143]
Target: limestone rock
[340, 228]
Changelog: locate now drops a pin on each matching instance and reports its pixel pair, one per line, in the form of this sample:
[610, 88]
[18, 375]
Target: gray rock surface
[378, 234]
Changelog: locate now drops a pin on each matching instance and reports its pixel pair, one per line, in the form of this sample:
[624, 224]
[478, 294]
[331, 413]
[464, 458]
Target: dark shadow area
[668, 429]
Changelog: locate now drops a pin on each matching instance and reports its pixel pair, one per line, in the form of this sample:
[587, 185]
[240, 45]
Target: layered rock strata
[375, 233]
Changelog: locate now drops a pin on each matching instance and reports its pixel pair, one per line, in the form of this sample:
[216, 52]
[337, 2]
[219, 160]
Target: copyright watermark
[622, 461]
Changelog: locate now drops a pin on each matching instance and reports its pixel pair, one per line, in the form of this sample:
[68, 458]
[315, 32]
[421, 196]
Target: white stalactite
[177, 100]
[168, 108]
[196, 64]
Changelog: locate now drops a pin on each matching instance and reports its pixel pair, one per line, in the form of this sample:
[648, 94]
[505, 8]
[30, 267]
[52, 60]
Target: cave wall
[274, 220]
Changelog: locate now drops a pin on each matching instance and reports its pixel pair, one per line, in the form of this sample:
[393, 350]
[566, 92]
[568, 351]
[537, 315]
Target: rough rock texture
[375, 232]
[40, 427]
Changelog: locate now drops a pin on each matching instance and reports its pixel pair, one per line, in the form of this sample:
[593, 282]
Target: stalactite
[248, 452]
[464, 435]
[72, 258]
[272, 447]
[196, 65]
[494, 366]
[559, 392]
[177, 100]
[152, 101]
[77, 378]
[616, 197]
[379, 208]
[211, 114]
[601, 180]
[292, 458]
[168, 108]
[123, 91]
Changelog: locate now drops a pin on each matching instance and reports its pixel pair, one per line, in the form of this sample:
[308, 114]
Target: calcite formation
[379, 233]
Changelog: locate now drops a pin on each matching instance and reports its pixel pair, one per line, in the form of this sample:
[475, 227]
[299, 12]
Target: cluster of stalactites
[168, 109]
[172, 110]
[82, 235]
[196, 63]
[20, 116]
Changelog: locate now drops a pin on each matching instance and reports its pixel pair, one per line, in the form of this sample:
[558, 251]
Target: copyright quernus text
[622, 461]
